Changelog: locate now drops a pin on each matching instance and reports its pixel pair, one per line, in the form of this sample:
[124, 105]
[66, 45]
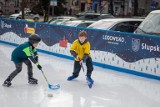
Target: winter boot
[7, 83]
[70, 78]
[32, 80]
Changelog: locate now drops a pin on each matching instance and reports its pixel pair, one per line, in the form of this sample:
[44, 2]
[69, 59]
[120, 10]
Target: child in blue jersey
[23, 54]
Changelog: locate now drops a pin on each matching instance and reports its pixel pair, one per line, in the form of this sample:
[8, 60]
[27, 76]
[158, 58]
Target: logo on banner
[5, 25]
[29, 30]
[135, 44]
[2, 24]
[113, 39]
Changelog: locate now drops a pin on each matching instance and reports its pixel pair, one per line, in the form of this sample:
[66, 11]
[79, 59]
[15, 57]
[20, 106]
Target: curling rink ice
[111, 88]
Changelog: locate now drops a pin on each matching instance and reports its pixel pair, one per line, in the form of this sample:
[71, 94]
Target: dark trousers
[19, 69]
[77, 67]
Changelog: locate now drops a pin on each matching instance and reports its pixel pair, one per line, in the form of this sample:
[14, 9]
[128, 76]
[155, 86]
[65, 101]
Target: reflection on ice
[111, 89]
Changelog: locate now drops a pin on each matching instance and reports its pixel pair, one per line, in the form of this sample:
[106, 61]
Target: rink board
[125, 52]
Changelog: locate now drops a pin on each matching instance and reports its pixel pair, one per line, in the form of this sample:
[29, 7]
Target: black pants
[19, 69]
[77, 67]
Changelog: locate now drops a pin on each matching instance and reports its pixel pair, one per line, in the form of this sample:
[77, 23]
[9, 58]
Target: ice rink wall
[124, 52]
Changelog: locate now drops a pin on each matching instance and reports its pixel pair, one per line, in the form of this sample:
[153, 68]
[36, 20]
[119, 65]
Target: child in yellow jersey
[80, 50]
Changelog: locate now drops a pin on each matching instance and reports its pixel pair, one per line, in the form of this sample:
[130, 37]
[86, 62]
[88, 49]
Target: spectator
[1, 13]
[70, 11]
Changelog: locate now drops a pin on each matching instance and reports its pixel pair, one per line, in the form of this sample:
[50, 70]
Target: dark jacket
[23, 52]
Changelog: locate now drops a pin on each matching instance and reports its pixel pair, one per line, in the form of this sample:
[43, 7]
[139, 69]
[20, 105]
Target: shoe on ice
[7, 83]
[71, 78]
[90, 80]
[32, 81]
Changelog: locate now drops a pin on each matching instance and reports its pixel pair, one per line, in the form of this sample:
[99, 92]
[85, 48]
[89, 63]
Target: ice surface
[110, 89]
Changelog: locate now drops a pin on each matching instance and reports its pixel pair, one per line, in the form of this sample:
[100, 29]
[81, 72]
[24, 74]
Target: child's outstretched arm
[35, 62]
[35, 54]
[28, 54]
[73, 53]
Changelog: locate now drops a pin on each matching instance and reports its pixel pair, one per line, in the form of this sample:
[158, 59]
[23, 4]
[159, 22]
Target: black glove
[36, 58]
[39, 67]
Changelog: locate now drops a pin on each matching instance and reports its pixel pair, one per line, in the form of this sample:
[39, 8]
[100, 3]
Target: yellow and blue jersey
[80, 48]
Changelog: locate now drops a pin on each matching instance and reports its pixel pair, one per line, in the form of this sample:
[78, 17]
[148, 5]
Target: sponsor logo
[144, 46]
[5, 25]
[113, 39]
[29, 30]
[150, 48]
[135, 44]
